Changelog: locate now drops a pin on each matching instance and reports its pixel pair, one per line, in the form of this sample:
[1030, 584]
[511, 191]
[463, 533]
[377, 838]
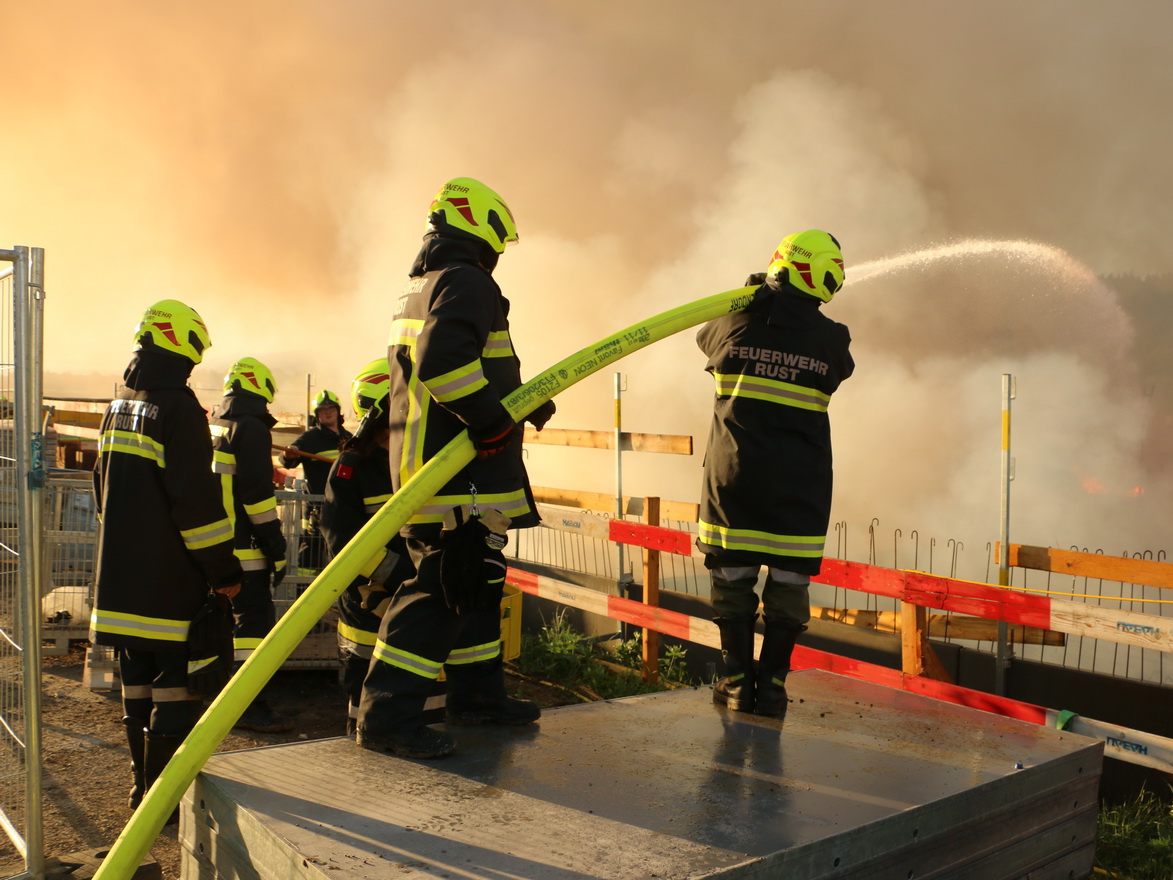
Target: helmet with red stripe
[171, 326]
[811, 261]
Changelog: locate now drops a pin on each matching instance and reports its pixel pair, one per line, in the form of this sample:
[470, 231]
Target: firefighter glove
[757, 279]
[209, 646]
[472, 565]
[541, 415]
[494, 438]
[278, 572]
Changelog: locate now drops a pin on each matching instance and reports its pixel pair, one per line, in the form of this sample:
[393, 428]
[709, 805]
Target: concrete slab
[860, 781]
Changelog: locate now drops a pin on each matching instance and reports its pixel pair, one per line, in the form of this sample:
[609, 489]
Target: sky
[271, 163]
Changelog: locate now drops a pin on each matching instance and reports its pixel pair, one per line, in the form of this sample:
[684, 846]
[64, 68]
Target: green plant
[560, 654]
[1135, 840]
[629, 653]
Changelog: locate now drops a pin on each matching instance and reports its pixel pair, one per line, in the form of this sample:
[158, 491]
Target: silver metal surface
[858, 782]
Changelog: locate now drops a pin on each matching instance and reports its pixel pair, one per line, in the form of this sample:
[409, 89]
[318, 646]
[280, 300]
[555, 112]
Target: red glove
[494, 439]
[541, 415]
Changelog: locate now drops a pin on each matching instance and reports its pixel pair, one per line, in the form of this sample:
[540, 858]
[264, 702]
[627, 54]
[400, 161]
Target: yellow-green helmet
[370, 386]
[172, 326]
[471, 207]
[250, 375]
[326, 398]
[812, 261]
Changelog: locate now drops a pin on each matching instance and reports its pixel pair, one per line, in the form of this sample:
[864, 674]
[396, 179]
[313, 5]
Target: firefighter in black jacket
[359, 484]
[165, 537]
[451, 361]
[323, 440]
[766, 498]
[242, 439]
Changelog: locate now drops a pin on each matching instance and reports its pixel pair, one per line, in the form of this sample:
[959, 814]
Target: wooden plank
[76, 418]
[576, 522]
[953, 626]
[1149, 572]
[914, 638]
[600, 502]
[650, 537]
[650, 643]
[671, 444]
[1122, 627]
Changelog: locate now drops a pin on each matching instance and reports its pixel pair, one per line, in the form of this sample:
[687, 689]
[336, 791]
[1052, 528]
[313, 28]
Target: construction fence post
[651, 594]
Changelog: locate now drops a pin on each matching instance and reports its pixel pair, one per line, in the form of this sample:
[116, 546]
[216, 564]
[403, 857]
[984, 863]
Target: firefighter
[766, 497]
[358, 485]
[322, 440]
[451, 361]
[165, 537]
[242, 439]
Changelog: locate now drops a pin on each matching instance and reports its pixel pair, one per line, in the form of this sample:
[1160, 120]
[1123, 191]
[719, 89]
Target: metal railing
[21, 482]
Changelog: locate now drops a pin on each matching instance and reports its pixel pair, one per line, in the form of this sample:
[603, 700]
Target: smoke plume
[270, 163]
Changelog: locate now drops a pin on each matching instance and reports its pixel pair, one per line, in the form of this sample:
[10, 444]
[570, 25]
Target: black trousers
[420, 635]
[154, 690]
[313, 545]
[254, 612]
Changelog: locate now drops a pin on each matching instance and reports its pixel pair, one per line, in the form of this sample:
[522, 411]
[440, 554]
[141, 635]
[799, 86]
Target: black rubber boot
[263, 718]
[135, 738]
[159, 749]
[735, 689]
[412, 742]
[476, 695]
[773, 666]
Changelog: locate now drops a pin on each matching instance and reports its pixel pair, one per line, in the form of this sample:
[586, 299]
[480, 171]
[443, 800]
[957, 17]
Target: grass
[560, 654]
[1134, 841]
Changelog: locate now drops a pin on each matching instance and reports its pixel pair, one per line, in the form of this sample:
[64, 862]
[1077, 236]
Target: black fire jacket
[452, 360]
[320, 441]
[165, 537]
[766, 496]
[242, 442]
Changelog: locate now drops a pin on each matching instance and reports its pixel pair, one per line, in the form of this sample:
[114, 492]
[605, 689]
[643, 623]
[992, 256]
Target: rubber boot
[419, 741]
[735, 689]
[476, 695]
[773, 666]
[159, 749]
[263, 718]
[135, 738]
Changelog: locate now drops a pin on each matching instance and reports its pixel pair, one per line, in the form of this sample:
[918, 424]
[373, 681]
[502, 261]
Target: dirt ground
[86, 769]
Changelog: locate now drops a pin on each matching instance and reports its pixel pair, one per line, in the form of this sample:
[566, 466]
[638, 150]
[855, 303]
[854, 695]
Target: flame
[1092, 486]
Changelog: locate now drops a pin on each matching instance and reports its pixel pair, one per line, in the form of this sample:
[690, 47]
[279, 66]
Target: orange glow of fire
[1092, 486]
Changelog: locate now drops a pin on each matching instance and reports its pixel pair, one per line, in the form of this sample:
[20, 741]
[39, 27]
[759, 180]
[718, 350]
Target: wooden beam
[600, 502]
[954, 626]
[77, 418]
[914, 638]
[672, 444]
[1148, 572]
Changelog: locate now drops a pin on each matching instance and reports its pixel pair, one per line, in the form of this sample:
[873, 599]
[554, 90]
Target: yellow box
[511, 623]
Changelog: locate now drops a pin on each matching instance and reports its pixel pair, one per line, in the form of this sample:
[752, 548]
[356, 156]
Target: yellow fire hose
[147, 821]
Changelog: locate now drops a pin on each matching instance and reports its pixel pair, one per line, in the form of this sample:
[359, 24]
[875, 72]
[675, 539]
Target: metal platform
[859, 782]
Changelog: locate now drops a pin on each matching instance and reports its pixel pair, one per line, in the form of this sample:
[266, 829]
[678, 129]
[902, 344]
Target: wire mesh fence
[899, 548]
[12, 638]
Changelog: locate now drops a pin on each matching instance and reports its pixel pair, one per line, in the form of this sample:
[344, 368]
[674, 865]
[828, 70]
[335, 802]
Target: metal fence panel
[21, 442]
